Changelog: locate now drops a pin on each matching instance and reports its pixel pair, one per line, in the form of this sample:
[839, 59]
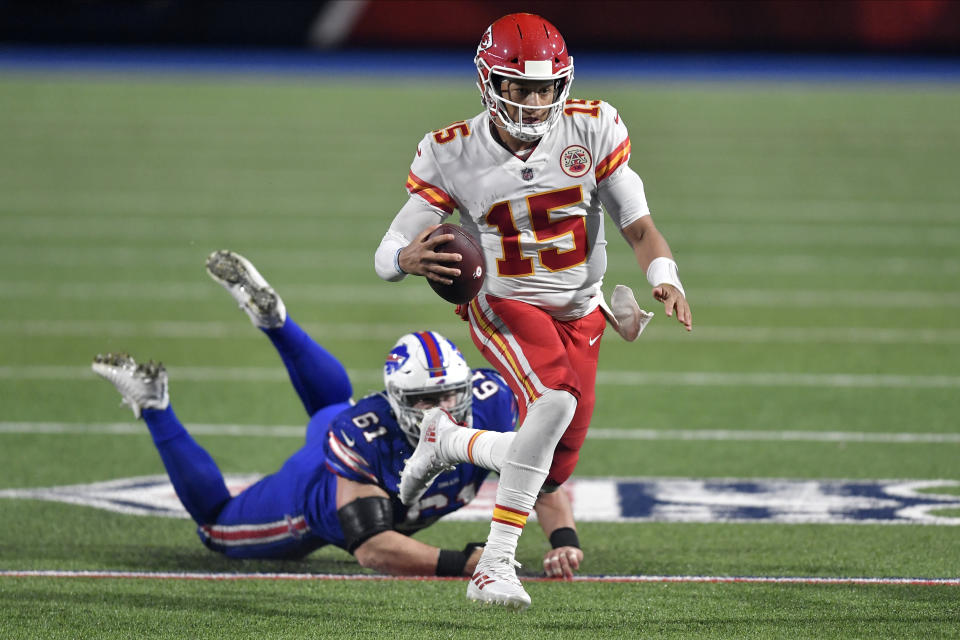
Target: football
[466, 286]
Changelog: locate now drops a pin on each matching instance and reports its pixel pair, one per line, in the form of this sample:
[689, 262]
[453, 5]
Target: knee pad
[547, 420]
[551, 413]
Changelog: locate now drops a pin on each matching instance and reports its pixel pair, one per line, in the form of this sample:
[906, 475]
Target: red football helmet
[523, 46]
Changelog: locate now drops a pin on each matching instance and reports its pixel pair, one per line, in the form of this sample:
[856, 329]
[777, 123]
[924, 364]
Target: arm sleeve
[415, 216]
[621, 189]
[623, 197]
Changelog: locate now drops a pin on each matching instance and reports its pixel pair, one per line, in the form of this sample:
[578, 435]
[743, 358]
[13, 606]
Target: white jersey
[539, 220]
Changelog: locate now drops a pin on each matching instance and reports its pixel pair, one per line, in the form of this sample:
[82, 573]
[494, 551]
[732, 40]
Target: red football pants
[535, 352]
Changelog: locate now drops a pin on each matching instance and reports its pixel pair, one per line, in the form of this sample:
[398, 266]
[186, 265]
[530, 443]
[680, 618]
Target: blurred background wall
[927, 27]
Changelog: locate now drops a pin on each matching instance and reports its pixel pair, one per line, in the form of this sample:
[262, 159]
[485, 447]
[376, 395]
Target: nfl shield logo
[527, 174]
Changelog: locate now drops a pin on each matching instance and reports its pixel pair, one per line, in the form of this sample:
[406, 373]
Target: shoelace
[434, 468]
[499, 569]
[438, 466]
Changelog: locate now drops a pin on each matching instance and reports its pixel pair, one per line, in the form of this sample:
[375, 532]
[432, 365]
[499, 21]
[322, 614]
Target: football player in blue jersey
[341, 488]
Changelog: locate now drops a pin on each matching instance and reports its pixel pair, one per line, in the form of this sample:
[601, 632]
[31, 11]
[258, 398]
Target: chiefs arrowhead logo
[486, 41]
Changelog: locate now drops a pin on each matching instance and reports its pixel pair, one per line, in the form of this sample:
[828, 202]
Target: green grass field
[817, 230]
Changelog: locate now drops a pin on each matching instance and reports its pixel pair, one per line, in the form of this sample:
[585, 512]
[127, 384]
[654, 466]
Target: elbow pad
[364, 518]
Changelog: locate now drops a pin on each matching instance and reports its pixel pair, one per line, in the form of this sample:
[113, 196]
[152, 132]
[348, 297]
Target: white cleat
[495, 582]
[423, 467]
[254, 294]
[143, 386]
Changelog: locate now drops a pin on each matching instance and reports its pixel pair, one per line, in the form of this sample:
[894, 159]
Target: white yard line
[288, 431]
[135, 428]
[775, 379]
[164, 575]
[389, 331]
[238, 328]
[850, 437]
[373, 294]
[611, 378]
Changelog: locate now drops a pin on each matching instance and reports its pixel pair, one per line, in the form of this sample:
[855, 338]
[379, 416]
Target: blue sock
[318, 377]
[193, 473]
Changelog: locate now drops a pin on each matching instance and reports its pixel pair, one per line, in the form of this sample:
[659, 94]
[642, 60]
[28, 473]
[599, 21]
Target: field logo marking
[141, 496]
[782, 501]
[617, 500]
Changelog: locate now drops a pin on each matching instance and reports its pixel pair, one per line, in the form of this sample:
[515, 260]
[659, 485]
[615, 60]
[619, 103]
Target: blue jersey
[366, 444]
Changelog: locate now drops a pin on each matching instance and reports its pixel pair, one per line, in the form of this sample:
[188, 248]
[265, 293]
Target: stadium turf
[818, 237]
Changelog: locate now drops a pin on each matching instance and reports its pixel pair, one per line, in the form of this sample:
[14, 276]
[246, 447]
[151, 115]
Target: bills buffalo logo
[575, 161]
[486, 40]
[396, 358]
[757, 500]
[616, 499]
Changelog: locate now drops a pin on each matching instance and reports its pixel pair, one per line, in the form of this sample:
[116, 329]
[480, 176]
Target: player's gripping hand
[562, 562]
[419, 257]
[672, 301]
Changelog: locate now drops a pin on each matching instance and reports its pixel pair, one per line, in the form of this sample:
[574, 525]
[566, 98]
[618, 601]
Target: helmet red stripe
[434, 357]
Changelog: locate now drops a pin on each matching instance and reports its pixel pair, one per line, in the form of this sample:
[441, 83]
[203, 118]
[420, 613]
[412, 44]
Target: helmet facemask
[403, 402]
[427, 368]
[497, 104]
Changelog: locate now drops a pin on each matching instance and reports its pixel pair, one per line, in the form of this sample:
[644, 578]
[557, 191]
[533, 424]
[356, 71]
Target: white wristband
[385, 258]
[396, 262]
[663, 270]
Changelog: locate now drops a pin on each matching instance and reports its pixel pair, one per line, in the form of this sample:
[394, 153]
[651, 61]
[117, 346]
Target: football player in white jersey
[531, 176]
